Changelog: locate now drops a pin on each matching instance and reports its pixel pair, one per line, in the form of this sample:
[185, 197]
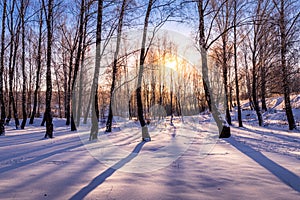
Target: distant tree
[58, 87]
[30, 70]
[38, 67]
[244, 50]
[72, 48]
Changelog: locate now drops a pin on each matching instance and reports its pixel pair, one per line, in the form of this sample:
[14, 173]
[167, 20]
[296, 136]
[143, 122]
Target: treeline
[69, 59]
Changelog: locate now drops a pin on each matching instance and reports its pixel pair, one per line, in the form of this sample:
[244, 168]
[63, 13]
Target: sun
[172, 64]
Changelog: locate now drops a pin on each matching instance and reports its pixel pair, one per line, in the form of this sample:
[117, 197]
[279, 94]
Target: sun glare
[171, 64]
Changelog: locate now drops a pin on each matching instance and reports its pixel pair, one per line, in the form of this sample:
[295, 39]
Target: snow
[184, 161]
[275, 116]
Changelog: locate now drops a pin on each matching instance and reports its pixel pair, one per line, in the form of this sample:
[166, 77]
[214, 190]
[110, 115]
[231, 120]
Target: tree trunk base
[7, 121]
[49, 131]
[2, 130]
[108, 128]
[145, 134]
[93, 136]
[225, 132]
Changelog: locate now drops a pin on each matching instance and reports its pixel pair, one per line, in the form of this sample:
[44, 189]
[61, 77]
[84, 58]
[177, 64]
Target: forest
[150, 99]
[90, 60]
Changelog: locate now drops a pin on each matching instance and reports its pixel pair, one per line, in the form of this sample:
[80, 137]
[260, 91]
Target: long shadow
[41, 147]
[35, 136]
[282, 137]
[38, 158]
[286, 176]
[276, 143]
[107, 173]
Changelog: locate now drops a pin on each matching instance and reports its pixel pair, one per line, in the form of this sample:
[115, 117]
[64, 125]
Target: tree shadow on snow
[107, 173]
[283, 174]
[269, 133]
[34, 159]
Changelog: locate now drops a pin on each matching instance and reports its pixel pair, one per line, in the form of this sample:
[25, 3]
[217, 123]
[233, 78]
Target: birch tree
[14, 45]
[94, 89]
[48, 115]
[223, 23]
[145, 132]
[261, 11]
[237, 90]
[287, 24]
[2, 120]
[77, 62]
[115, 63]
[23, 8]
[204, 45]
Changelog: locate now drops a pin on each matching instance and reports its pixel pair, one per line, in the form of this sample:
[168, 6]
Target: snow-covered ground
[275, 116]
[184, 161]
